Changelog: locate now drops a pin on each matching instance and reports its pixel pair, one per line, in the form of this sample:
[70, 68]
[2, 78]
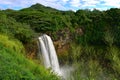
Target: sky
[62, 4]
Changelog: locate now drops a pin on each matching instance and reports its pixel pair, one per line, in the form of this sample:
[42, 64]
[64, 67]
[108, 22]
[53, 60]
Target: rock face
[60, 47]
[63, 40]
[31, 50]
[65, 37]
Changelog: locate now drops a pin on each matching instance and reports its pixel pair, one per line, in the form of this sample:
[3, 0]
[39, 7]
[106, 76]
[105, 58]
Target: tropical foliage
[94, 38]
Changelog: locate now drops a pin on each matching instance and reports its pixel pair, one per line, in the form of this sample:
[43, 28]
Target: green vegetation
[14, 65]
[95, 63]
[13, 62]
[10, 27]
[93, 38]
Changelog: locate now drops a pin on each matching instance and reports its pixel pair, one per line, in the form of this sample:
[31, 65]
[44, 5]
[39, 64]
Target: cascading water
[44, 54]
[49, 54]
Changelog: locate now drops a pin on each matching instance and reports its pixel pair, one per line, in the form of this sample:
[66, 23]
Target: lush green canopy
[84, 27]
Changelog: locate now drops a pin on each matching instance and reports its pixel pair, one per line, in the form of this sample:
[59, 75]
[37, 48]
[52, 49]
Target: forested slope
[93, 37]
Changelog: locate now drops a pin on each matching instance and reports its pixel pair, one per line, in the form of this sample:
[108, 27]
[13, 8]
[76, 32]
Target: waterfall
[44, 53]
[49, 54]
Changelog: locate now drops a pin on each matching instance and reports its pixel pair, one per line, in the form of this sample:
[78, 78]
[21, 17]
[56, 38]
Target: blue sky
[62, 4]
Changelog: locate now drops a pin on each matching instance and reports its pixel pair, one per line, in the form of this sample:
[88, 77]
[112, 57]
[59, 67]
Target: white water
[49, 54]
[44, 54]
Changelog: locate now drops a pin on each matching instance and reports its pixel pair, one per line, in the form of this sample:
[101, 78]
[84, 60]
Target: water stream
[49, 54]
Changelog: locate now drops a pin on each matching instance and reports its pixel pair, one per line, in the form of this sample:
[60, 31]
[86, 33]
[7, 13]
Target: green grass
[15, 66]
[12, 44]
[94, 62]
[114, 57]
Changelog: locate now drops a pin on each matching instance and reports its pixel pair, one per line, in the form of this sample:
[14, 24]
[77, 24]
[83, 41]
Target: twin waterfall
[49, 54]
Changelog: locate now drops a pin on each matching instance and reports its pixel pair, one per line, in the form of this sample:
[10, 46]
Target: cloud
[98, 4]
[75, 3]
[62, 4]
[65, 0]
[58, 4]
[113, 3]
[14, 4]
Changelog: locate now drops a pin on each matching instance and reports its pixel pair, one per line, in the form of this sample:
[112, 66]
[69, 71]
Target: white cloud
[26, 3]
[65, 0]
[75, 3]
[113, 3]
[58, 4]
[62, 4]
[14, 3]
[51, 0]
[98, 4]
[90, 3]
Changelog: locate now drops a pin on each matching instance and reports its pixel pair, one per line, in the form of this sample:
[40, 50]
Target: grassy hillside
[15, 66]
